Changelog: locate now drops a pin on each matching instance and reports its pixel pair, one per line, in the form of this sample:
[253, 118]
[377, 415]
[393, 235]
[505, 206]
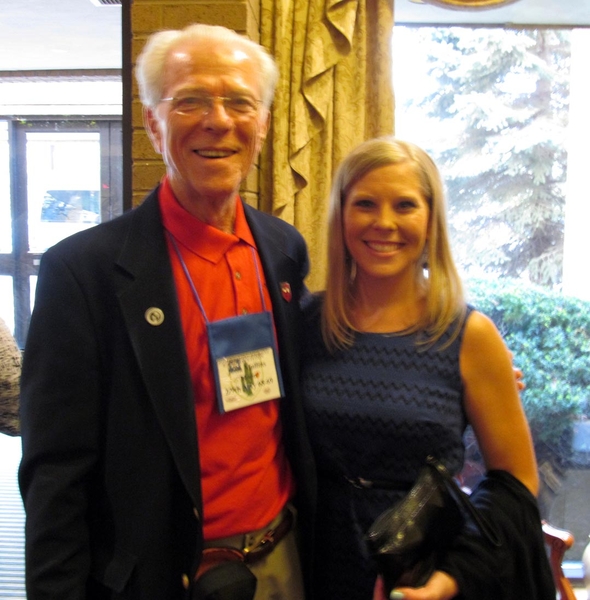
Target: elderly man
[161, 417]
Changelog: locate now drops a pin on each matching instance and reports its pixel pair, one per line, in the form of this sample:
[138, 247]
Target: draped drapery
[334, 92]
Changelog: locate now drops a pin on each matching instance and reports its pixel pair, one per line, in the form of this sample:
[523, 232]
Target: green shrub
[549, 335]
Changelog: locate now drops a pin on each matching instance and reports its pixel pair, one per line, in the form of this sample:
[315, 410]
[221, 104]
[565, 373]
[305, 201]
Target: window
[504, 113]
[58, 176]
[60, 171]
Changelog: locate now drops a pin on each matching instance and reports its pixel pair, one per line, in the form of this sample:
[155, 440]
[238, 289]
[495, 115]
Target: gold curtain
[334, 92]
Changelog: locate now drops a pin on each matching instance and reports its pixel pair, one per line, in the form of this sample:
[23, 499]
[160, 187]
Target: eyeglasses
[236, 105]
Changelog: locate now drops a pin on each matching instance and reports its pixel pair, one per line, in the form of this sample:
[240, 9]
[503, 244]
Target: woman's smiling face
[386, 223]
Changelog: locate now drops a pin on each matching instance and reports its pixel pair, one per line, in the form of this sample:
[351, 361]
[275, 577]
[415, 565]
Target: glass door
[59, 177]
[63, 185]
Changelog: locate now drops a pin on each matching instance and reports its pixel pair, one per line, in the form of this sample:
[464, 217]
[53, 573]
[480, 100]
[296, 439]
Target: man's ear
[263, 131]
[152, 126]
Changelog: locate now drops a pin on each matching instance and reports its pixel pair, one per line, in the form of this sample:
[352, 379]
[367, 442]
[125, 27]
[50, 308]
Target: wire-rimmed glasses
[198, 104]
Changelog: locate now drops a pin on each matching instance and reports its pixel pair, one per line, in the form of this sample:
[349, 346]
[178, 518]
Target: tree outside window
[500, 112]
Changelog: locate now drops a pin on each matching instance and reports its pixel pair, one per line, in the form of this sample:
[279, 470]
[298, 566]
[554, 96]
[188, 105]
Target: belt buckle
[269, 540]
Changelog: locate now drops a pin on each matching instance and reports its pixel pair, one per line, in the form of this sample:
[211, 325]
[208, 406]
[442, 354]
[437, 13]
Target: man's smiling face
[208, 154]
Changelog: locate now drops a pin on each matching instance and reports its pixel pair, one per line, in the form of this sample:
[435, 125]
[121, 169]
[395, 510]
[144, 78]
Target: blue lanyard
[194, 289]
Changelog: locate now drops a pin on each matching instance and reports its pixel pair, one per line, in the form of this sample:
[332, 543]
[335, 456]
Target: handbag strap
[484, 526]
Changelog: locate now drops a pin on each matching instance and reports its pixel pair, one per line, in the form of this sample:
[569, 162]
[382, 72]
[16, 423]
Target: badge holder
[243, 352]
[244, 360]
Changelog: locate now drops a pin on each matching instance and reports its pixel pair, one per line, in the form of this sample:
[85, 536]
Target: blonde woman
[397, 365]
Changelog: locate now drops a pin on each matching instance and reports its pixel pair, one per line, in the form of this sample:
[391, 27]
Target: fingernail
[396, 595]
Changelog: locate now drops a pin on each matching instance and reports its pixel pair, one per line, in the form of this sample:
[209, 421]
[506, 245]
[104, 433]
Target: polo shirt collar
[204, 240]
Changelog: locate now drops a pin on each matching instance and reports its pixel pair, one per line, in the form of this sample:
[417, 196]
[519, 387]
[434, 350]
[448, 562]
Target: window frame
[20, 264]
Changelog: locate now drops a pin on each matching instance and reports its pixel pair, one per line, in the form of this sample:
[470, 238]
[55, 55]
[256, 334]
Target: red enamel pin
[286, 291]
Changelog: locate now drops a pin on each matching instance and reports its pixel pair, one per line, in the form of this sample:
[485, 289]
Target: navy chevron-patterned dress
[375, 411]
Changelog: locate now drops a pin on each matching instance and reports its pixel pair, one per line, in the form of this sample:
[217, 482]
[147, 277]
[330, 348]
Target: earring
[352, 271]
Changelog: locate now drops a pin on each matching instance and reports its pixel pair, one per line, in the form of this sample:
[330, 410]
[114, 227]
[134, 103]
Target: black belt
[217, 555]
[269, 540]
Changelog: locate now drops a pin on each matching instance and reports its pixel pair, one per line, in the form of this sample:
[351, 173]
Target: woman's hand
[440, 586]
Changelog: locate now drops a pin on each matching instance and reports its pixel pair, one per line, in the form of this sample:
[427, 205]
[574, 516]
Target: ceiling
[77, 34]
[59, 34]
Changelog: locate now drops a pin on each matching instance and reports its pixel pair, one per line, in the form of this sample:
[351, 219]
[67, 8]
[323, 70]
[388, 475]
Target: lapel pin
[286, 291]
[154, 316]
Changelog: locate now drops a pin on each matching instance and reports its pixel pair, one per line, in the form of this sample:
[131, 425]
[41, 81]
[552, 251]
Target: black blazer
[517, 568]
[110, 471]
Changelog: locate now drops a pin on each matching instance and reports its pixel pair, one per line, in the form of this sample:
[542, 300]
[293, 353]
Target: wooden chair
[558, 542]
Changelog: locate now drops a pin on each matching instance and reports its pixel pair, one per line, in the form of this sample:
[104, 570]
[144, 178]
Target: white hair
[149, 70]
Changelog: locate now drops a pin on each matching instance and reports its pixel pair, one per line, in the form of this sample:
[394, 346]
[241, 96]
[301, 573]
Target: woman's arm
[494, 410]
[492, 402]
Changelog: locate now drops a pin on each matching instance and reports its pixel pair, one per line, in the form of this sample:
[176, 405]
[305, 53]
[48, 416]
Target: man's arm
[60, 420]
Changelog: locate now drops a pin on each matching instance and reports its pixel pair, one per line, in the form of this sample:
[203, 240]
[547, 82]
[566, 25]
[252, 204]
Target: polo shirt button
[238, 275]
[185, 581]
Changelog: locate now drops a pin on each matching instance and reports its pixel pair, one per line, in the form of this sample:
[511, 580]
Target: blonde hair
[149, 70]
[444, 291]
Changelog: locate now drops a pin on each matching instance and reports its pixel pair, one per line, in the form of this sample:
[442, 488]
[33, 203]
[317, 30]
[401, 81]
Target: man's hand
[520, 384]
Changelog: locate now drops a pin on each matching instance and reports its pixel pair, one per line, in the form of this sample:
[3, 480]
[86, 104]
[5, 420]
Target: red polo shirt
[245, 477]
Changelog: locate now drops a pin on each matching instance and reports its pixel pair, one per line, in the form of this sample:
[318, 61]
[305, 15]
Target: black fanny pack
[223, 575]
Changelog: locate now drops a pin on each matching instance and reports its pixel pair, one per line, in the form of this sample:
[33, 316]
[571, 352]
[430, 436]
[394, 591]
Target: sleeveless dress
[375, 411]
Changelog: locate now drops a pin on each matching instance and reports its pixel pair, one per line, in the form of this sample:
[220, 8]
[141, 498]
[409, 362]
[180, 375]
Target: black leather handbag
[407, 539]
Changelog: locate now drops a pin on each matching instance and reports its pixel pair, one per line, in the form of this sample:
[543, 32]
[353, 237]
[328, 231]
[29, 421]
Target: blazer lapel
[149, 306]
[282, 271]
[270, 245]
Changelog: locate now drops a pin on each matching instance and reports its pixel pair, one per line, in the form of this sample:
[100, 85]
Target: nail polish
[396, 595]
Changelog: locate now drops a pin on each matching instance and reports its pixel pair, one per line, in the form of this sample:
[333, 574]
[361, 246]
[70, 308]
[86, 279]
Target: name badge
[244, 359]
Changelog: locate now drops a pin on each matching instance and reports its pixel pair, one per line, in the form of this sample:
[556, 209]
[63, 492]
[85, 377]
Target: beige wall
[148, 16]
